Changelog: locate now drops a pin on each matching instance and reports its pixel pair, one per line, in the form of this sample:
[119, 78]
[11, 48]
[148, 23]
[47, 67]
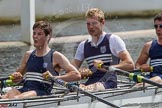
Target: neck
[42, 51]
[96, 38]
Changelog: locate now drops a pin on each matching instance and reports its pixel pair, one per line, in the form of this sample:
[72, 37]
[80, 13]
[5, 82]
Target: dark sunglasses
[158, 25]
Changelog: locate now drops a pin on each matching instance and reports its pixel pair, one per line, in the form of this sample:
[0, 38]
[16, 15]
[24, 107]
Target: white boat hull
[124, 98]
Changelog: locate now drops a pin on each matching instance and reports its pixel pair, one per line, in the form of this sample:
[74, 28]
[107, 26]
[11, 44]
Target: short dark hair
[44, 26]
[158, 17]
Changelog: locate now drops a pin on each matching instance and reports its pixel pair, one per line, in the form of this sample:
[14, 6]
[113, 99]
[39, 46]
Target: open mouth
[35, 41]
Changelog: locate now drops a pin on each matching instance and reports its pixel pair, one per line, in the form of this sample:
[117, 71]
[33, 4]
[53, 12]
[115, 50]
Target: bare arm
[144, 56]
[76, 63]
[126, 62]
[72, 74]
[22, 66]
[20, 71]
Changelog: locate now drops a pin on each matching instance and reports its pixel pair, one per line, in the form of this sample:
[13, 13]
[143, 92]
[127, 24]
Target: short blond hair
[95, 12]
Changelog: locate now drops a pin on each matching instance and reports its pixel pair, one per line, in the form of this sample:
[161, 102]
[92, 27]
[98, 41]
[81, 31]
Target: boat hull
[124, 98]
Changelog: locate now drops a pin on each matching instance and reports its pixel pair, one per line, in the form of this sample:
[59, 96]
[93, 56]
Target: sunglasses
[158, 25]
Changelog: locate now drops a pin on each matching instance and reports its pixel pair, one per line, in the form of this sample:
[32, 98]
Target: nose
[34, 35]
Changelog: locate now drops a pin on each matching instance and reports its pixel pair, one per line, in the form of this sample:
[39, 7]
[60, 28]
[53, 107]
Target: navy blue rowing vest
[102, 52]
[155, 54]
[36, 66]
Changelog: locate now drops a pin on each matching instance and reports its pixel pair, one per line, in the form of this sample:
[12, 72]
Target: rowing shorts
[109, 84]
[110, 81]
[34, 86]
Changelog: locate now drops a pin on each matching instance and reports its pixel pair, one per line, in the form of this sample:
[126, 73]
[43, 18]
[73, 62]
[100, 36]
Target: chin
[35, 45]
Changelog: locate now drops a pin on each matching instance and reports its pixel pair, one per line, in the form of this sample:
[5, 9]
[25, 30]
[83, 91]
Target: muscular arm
[72, 74]
[126, 62]
[76, 63]
[20, 71]
[22, 66]
[144, 56]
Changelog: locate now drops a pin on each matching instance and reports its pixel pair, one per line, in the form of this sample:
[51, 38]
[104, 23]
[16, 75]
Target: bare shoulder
[28, 52]
[27, 55]
[59, 57]
[148, 44]
[25, 58]
[62, 61]
[57, 54]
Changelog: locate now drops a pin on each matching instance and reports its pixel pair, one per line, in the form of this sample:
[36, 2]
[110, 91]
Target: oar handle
[6, 78]
[108, 68]
[103, 66]
[135, 77]
[138, 78]
[142, 70]
[136, 70]
[72, 86]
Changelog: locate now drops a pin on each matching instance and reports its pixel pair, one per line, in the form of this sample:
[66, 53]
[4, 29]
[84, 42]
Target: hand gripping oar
[132, 76]
[6, 78]
[76, 88]
[142, 70]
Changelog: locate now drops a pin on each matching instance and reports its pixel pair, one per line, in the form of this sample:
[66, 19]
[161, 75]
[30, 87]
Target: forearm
[70, 76]
[125, 66]
[22, 70]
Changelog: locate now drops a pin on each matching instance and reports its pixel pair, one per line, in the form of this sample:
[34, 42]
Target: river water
[10, 57]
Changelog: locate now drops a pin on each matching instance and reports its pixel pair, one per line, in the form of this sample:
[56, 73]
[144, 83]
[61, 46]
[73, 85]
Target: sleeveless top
[155, 54]
[101, 52]
[36, 66]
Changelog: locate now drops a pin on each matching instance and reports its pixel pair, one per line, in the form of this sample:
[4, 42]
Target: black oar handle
[76, 88]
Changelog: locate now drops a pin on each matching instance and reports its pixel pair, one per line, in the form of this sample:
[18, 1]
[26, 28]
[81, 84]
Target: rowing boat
[121, 97]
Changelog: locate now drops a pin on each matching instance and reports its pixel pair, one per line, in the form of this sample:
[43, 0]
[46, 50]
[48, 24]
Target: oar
[138, 78]
[6, 78]
[134, 77]
[141, 70]
[133, 71]
[76, 88]
[2, 79]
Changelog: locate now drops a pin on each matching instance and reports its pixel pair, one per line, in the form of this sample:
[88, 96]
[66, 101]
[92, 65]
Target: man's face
[94, 26]
[39, 37]
[158, 28]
